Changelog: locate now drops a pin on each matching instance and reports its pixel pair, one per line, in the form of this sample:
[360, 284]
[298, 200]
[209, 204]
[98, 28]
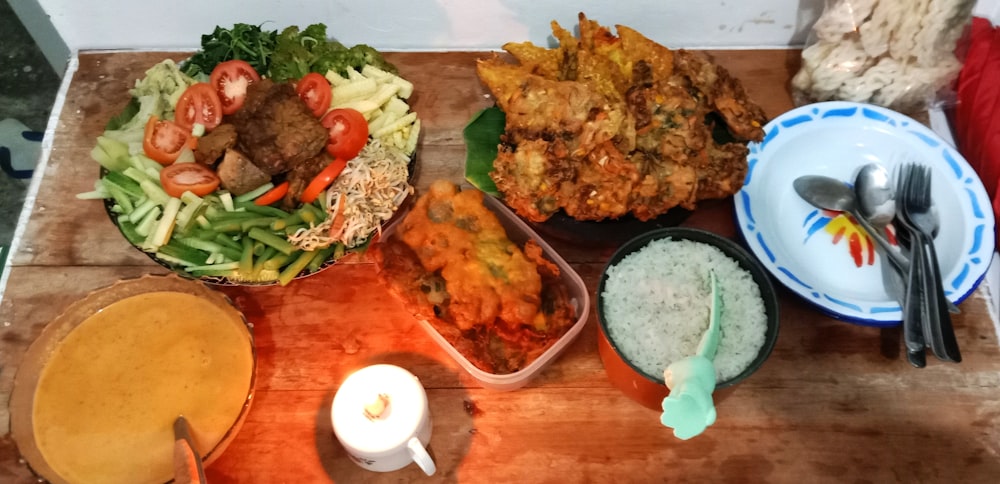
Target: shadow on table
[451, 417]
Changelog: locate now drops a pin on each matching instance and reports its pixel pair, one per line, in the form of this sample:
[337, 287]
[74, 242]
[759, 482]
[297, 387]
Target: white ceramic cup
[380, 416]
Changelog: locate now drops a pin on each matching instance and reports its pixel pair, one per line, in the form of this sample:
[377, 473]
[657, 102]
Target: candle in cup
[381, 417]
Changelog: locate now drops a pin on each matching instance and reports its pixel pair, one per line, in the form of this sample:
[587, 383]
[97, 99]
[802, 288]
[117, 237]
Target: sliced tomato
[164, 140]
[198, 105]
[323, 180]
[188, 177]
[314, 90]
[230, 80]
[348, 133]
[272, 195]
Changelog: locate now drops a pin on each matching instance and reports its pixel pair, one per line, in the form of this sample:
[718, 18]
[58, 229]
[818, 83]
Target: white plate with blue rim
[823, 256]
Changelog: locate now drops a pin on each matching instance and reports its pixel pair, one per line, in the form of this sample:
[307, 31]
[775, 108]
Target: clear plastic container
[519, 232]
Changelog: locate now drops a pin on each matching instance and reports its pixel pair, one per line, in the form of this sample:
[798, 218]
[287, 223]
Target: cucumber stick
[214, 235]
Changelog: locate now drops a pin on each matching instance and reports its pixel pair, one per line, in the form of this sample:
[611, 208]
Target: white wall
[430, 24]
[63, 26]
[989, 9]
[38, 25]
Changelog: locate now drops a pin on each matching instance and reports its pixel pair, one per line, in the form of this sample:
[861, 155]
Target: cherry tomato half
[188, 177]
[198, 104]
[314, 90]
[230, 80]
[164, 140]
[323, 180]
[348, 133]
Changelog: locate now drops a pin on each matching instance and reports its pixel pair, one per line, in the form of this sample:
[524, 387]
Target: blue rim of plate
[803, 126]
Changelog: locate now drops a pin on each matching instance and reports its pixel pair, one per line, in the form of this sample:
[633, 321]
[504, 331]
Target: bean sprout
[371, 188]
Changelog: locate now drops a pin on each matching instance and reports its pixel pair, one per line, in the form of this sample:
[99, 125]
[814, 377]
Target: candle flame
[376, 407]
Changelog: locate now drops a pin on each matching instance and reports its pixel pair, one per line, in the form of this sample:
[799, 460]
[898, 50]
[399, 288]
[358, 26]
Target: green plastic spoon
[689, 408]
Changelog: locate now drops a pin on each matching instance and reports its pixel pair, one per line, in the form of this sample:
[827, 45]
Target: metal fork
[917, 210]
[913, 307]
[942, 332]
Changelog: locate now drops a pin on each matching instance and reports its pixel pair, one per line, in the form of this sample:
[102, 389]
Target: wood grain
[833, 403]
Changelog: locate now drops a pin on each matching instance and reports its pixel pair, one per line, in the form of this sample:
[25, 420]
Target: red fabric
[976, 116]
[980, 37]
[983, 118]
[990, 161]
[996, 227]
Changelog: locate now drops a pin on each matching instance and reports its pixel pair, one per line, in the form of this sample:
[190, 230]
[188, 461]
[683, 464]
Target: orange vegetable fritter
[605, 126]
[451, 262]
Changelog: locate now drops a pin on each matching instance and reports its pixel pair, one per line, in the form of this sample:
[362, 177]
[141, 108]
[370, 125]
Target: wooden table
[833, 403]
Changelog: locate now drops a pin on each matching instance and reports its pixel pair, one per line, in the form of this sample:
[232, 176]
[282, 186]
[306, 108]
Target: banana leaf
[482, 136]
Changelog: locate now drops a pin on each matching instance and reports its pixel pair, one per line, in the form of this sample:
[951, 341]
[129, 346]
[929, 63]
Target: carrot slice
[337, 226]
[323, 180]
[272, 195]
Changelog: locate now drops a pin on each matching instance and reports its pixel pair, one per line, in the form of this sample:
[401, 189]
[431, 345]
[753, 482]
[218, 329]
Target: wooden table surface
[834, 402]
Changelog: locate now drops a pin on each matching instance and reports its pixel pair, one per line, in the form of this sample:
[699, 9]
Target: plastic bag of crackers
[899, 54]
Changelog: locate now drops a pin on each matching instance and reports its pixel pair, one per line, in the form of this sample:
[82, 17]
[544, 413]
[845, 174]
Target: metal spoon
[832, 194]
[876, 198]
[876, 194]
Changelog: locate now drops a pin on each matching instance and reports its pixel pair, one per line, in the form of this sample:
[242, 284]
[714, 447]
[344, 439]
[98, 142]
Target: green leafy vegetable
[289, 55]
[482, 136]
[293, 54]
[158, 93]
[244, 41]
[357, 57]
[299, 53]
[131, 109]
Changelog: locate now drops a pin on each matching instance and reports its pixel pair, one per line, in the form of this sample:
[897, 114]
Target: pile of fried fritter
[603, 126]
[452, 264]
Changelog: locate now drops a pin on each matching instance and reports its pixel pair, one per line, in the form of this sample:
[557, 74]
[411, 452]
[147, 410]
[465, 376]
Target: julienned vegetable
[380, 98]
[213, 235]
[169, 206]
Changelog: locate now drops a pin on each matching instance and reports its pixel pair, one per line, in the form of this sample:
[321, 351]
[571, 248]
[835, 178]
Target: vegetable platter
[262, 158]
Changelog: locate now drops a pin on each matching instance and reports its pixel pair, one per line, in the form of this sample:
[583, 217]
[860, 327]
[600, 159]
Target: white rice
[657, 302]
